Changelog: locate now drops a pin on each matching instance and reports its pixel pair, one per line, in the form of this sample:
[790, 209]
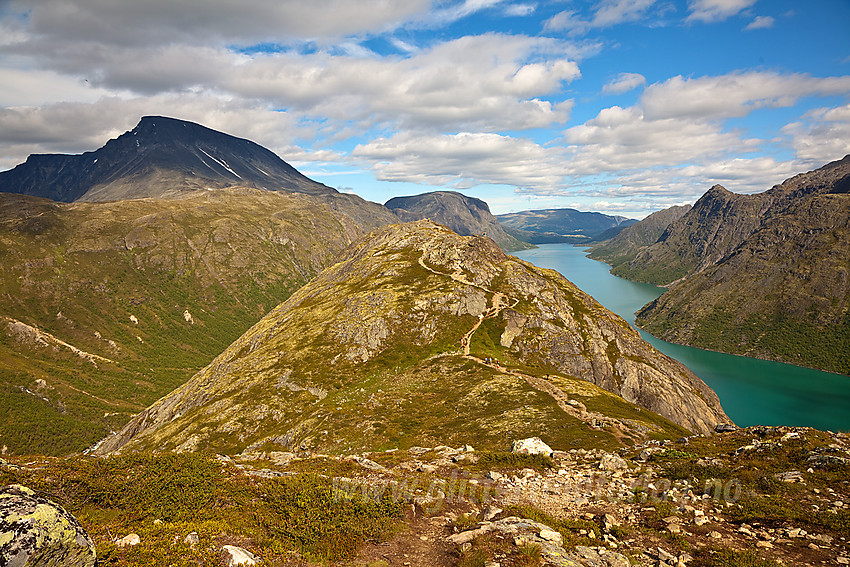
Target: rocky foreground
[761, 496]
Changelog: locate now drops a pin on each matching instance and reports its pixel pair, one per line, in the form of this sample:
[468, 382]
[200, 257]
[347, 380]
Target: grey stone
[192, 539]
[367, 463]
[610, 462]
[35, 531]
[128, 540]
[789, 476]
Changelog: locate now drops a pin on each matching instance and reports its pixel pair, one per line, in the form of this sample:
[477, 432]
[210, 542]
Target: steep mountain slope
[720, 221]
[561, 225]
[158, 158]
[622, 248]
[763, 275]
[108, 306]
[783, 294]
[391, 347]
[466, 216]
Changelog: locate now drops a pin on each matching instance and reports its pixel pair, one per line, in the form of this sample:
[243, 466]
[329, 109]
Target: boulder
[35, 531]
[725, 428]
[192, 539]
[234, 556]
[531, 446]
[128, 540]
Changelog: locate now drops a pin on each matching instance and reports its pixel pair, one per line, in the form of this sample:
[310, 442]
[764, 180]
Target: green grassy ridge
[226, 257]
[367, 357]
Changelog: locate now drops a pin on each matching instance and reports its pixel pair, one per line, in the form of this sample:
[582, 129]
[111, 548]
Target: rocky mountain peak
[160, 157]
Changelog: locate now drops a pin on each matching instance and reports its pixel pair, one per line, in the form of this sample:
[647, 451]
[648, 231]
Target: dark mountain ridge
[160, 157]
[721, 220]
[561, 225]
[465, 215]
[620, 249]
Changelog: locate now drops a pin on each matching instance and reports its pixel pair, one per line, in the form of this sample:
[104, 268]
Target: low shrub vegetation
[165, 497]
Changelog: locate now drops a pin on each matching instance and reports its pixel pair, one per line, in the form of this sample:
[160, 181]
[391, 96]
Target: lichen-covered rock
[611, 462]
[550, 542]
[35, 531]
[129, 540]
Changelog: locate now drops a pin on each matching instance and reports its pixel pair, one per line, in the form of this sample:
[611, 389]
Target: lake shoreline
[753, 391]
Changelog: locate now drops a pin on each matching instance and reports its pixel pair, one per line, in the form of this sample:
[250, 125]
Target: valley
[108, 306]
[752, 391]
[217, 360]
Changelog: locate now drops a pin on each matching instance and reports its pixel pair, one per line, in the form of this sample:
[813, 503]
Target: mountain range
[282, 368]
[562, 225]
[621, 249]
[118, 297]
[764, 275]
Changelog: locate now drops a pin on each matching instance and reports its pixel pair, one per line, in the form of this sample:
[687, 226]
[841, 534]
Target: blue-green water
[752, 391]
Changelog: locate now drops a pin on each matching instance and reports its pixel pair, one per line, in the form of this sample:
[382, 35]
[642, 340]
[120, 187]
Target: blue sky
[620, 106]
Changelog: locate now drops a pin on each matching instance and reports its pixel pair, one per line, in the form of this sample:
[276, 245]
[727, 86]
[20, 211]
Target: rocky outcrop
[234, 555]
[406, 334]
[466, 216]
[531, 446]
[525, 532]
[35, 531]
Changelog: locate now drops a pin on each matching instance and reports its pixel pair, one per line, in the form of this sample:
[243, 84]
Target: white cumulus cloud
[709, 11]
[464, 160]
[624, 82]
[734, 94]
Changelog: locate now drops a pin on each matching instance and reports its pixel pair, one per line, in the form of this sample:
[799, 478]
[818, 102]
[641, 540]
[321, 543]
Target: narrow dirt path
[561, 398]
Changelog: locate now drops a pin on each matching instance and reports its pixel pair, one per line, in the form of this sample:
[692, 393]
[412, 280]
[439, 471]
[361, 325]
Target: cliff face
[720, 221]
[418, 335]
[108, 306]
[628, 243]
[782, 294]
[466, 216]
[764, 275]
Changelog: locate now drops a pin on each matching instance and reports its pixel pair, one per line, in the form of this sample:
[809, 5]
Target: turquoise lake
[752, 391]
